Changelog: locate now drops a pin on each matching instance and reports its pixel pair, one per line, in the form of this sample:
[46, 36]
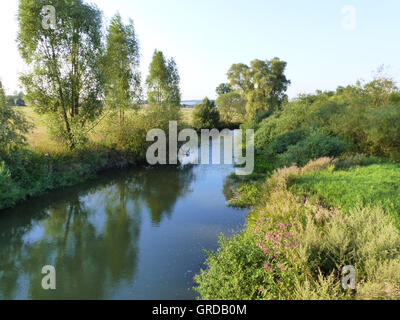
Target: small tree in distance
[163, 81]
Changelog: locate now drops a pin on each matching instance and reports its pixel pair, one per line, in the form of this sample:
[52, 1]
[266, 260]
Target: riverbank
[44, 163]
[306, 225]
[36, 173]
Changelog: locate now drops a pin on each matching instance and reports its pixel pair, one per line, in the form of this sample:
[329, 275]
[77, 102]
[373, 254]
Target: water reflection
[90, 233]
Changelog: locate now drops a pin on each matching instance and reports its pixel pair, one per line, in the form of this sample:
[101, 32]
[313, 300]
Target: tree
[163, 81]
[13, 127]
[223, 88]
[65, 78]
[11, 101]
[263, 84]
[232, 107]
[205, 115]
[123, 83]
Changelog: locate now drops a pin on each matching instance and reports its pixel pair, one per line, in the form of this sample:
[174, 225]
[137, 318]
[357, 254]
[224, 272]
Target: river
[134, 233]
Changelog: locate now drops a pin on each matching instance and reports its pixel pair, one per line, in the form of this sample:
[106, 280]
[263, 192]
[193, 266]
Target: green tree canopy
[123, 82]
[232, 107]
[263, 84]
[163, 81]
[65, 78]
[223, 88]
[205, 115]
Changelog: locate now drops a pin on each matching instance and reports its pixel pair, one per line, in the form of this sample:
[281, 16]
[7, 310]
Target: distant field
[187, 115]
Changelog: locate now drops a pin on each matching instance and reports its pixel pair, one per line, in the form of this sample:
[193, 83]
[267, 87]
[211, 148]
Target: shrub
[13, 127]
[205, 115]
[382, 134]
[130, 135]
[239, 271]
[313, 147]
[282, 142]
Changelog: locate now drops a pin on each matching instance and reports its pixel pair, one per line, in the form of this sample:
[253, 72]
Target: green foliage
[247, 195]
[236, 270]
[65, 77]
[223, 88]
[121, 63]
[130, 136]
[163, 81]
[362, 115]
[5, 178]
[282, 143]
[263, 84]
[13, 126]
[205, 115]
[382, 134]
[313, 147]
[232, 107]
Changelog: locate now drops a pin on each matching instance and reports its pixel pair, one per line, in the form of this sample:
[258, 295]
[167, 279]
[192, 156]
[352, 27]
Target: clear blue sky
[207, 36]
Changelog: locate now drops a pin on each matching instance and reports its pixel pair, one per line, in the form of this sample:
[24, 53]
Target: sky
[325, 43]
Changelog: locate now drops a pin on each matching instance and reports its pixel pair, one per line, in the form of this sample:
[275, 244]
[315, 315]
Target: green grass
[374, 185]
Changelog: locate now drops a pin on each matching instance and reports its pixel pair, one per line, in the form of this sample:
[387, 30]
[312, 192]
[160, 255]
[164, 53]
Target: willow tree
[263, 84]
[163, 81]
[123, 83]
[65, 78]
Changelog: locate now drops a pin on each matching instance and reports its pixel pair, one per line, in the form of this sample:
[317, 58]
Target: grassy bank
[33, 173]
[297, 240]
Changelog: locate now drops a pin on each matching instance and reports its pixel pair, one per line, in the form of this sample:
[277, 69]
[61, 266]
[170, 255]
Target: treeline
[253, 93]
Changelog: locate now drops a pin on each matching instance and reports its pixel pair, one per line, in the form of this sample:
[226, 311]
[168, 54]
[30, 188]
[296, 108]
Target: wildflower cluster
[275, 241]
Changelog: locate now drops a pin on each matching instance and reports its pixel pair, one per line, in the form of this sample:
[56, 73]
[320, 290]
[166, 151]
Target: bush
[130, 135]
[205, 115]
[382, 134]
[282, 142]
[313, 147]
[239, 271]
[5, 181]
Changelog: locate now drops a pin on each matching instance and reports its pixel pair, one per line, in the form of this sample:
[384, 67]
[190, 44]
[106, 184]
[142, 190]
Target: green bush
[242, 269]
[130, 135]
[205, 115]
[313, 147]
[282, 142]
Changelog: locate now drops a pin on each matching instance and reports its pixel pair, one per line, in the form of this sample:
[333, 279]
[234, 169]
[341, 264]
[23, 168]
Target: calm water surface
[129, 234]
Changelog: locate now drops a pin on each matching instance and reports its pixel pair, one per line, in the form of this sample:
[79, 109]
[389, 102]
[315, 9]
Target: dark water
[130, 234]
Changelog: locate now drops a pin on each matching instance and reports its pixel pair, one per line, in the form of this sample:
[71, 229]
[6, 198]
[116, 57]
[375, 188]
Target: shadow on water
[129, 234]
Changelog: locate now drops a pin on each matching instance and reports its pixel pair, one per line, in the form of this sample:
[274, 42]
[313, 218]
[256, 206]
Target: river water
[129, 234]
